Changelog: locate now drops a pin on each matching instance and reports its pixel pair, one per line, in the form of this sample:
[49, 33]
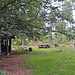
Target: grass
[50, 61]
[2, 72]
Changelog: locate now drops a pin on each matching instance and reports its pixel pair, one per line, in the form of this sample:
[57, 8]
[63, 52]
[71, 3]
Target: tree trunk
[7, 47]
[22, 42]
[0, 47]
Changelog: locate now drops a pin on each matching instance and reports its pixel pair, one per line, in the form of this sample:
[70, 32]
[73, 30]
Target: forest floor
[10, 64]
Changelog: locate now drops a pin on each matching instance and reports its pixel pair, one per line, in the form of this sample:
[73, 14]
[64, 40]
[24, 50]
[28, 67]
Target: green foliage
[60, 26]
[29, 17]
[2, 72]
[73, 0]
[20, 16]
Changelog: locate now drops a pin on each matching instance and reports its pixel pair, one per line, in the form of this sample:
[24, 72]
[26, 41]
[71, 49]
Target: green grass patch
[50, 61]
[2, 72]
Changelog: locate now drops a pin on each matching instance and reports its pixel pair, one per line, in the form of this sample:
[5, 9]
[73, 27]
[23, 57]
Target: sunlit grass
[50, 61]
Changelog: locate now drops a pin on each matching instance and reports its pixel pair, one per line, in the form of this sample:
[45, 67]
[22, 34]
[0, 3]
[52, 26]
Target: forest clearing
[41, 61]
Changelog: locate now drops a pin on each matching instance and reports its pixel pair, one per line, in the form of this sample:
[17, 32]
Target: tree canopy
[20, 16]
[30, 17]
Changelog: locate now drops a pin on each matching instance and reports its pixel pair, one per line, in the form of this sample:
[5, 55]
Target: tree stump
[30, 49]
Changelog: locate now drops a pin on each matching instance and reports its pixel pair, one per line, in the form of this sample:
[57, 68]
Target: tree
[31, 16]
[58, 15]
[20, 16]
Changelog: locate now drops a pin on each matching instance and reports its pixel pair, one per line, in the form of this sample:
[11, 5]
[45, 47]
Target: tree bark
[0, 48]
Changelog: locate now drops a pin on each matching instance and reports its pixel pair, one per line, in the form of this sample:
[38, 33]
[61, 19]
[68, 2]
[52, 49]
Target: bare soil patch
[10, 64]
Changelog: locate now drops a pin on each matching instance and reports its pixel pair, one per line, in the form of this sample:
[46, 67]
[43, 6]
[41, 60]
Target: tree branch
[7, 5]
[34, 17]
[30, 1]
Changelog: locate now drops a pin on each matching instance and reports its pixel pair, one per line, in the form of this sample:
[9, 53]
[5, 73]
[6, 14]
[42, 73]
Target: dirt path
[11, 65]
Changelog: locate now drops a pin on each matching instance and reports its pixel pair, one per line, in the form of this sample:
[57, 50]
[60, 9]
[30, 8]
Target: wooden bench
[44, 46]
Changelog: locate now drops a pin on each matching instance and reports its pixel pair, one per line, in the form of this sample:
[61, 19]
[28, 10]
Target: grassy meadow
[50, 61]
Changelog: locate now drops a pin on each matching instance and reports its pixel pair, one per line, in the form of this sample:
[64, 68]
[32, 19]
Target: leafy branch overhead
[19, 15]
[31, 16]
